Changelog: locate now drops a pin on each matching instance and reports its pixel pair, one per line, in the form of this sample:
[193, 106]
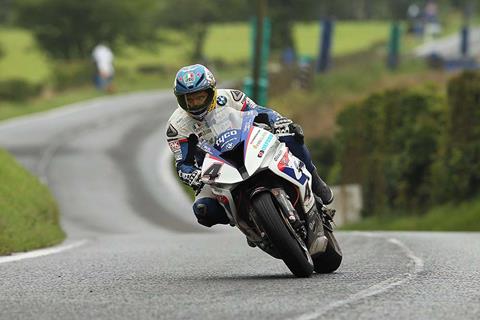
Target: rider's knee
[209, 212]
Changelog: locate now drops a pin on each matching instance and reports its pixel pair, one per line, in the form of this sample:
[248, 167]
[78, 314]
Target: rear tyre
[330, 260]
[274, 226]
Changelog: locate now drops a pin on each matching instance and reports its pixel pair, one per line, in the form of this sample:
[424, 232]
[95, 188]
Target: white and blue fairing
[237, 150]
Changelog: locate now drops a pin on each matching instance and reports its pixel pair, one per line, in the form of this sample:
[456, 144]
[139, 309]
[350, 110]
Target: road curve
[138, 253]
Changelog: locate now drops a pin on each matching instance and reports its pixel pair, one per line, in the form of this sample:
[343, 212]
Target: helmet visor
[197, 101]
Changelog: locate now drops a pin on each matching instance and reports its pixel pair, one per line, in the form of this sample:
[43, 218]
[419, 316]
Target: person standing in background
[104, 70]
[432, 26]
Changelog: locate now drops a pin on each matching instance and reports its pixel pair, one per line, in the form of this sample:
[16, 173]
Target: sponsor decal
[222, 199]
[171, 131]
[209, 76]
[277, 156]
[250, 103]
[267, 142]
[308, 197]
[261, 153]
[189, 78]
[221, 100]
[260, 139]
[284, 161]
[254, 137]
[237, 95]
[224, 137]
[174, 146]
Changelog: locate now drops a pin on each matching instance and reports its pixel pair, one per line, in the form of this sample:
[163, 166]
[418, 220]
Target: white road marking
[41, 252]
[375, 289]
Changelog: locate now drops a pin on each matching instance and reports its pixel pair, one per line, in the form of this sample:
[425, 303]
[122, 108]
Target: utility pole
[257, 59]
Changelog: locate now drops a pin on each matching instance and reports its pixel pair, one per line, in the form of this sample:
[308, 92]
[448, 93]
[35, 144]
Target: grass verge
[450, 217]
[28, 214]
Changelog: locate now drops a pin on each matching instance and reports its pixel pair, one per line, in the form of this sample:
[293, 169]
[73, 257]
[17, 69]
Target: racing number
[212, 172]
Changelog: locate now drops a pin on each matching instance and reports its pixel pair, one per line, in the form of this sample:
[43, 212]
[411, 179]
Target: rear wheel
[330, 260]
[274, 226]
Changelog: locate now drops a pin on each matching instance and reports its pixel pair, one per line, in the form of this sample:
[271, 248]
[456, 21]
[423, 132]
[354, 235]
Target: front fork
[311, 231]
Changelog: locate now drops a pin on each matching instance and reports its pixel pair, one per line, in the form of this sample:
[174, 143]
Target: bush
[458, 168]
[388, 144]
[18, 89]
[73, 74]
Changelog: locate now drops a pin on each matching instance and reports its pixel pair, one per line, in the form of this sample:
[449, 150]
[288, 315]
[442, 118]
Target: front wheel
[274, 226]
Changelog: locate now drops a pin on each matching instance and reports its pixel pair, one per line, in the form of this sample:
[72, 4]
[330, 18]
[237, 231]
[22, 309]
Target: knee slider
[209, 212]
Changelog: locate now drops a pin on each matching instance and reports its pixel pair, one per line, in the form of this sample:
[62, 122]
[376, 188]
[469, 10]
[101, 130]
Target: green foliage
[18, 90]
[70, 29]
[73, 74]
[28, 214]
[458, 168]
[388, 143]
[22, 58]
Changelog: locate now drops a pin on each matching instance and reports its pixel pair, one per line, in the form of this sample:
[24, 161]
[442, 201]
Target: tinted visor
[198, 107]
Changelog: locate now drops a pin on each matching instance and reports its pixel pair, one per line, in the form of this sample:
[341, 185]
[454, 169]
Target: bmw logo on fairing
[221, 100]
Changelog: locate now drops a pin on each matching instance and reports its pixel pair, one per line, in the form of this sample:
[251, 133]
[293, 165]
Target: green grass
[229, 42]
[451, 217]
[349, 37]
[28, 213]
[22, 58]
[173, 52]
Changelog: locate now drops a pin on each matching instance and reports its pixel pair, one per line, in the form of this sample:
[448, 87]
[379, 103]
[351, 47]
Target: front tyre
[274, 226]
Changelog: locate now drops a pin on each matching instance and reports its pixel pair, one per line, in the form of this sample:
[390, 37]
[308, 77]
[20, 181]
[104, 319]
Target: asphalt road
[137, 253]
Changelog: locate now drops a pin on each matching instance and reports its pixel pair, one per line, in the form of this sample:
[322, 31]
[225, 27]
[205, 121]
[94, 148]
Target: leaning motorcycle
[266, 192]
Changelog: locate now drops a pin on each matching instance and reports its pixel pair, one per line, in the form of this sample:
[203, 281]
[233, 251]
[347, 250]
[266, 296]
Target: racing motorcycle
[266, 192]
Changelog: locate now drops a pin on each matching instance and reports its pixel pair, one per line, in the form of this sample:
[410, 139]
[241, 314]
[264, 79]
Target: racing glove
[285, 127]
[192, 179]
[281, 127]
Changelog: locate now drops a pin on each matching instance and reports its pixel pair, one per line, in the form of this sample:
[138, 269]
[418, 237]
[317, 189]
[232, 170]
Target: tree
[70, 28]
[283, 14]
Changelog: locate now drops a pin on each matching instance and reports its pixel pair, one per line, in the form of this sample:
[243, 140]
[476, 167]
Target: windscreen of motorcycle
[228, 127]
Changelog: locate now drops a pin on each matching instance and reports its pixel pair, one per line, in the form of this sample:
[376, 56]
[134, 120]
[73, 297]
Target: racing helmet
[192, 79]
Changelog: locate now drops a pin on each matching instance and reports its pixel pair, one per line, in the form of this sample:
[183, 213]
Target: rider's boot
[321, 189]
[316, 239]
[323, 196]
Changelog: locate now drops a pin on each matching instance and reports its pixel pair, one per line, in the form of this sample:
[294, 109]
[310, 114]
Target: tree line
[68, 29]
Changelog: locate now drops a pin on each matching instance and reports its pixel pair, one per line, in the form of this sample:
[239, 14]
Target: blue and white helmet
[192, 79]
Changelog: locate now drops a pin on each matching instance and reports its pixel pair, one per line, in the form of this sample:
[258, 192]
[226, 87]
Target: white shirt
[103, 57]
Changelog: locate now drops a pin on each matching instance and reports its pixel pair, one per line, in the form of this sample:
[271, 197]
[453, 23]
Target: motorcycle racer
[197, 94]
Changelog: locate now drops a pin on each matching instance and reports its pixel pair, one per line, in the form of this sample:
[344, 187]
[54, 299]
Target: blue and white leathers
[184, 132]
